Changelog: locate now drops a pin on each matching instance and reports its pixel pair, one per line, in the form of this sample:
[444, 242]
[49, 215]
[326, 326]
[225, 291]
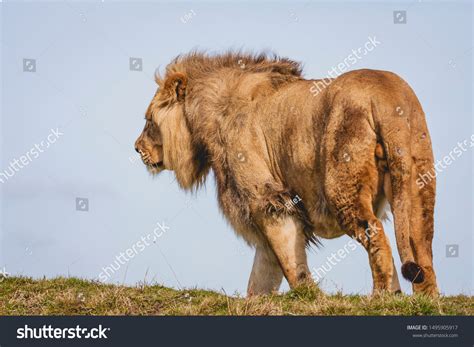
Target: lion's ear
[175, 84]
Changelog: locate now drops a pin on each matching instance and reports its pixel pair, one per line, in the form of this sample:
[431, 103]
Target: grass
[71, 296]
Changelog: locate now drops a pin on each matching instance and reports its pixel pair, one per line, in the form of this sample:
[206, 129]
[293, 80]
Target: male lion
[291, 165]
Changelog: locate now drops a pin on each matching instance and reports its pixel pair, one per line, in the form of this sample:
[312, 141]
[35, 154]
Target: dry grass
[60, 296]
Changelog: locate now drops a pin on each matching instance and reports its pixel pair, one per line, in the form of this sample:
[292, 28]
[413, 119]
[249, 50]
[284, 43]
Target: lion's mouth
[146, 158]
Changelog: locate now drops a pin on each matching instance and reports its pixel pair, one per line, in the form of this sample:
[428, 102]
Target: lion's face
[164, 131]
[155, 143]
[150, 147]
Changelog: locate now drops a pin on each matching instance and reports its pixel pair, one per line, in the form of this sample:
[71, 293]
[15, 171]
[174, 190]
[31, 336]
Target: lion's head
[166, 142]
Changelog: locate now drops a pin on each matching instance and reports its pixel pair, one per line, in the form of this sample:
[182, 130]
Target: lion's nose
[137, 145]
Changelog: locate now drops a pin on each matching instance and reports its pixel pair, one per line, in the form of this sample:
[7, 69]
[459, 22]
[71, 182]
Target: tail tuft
[413, 272]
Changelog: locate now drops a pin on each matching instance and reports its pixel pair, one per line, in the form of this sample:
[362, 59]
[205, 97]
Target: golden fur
[343, 152]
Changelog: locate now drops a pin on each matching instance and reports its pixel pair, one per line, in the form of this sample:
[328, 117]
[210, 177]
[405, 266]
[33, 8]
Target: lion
[293, 166]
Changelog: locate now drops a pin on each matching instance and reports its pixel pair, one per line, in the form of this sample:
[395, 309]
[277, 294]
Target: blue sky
[83, 85]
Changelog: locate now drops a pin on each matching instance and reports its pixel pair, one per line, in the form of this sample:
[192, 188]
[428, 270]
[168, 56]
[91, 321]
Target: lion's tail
[395, 134]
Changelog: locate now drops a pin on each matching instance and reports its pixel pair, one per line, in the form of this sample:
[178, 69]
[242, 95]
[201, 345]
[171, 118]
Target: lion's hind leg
[395, 288]
[352, 184]
[266, 273]
[380, 206]
[355, 215]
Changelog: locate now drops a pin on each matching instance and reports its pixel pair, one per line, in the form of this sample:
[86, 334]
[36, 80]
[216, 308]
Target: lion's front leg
[266, 273]
[287, 240]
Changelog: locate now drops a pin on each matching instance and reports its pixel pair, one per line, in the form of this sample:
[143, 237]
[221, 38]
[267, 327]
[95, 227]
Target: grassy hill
[61, 296]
